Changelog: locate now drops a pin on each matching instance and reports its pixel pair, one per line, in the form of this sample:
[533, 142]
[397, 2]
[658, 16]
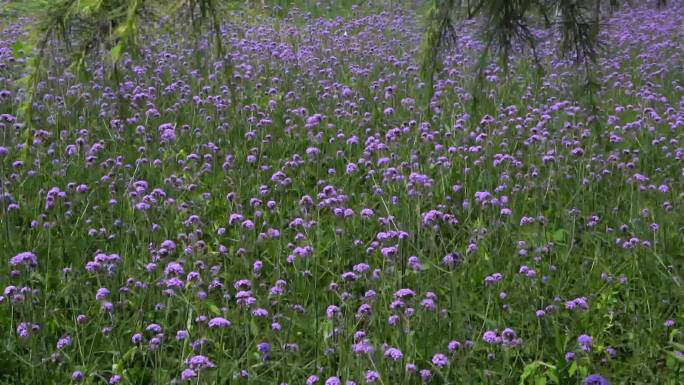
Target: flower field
[316, 219]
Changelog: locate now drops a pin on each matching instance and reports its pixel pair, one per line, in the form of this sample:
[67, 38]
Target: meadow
[317, 220]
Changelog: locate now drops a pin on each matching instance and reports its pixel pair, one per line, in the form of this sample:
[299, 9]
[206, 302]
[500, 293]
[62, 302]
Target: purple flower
[64, 342]
[510, 338]
[26, 258]
[219, 323]
[102, 293]
[372, 376]
[137, 338]
[173, 269]
[363, 347]
[585, 342]
[393, 354]
[440, 360]
[331, 311]
[188, 374]
[595, 379]
[24, 330]
[168, 135]
[263, 347]
[182, 335]
[490, 337]
[404, 293]
[154, 328]
[491, 279]
[199, 362]
[453, 345]
[77, 376]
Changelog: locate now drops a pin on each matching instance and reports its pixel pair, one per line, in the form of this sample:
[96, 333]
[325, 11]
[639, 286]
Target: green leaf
[528, 371]
[559, 236]
[116, 52]
[90, 6]
[129, 355]
[189, 323]
[19, 49]
[253, 327]
[677, 356]
[214, 309]
[678, 346]
[553, 376]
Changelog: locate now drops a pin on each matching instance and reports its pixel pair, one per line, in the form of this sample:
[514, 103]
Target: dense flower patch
[320, 227]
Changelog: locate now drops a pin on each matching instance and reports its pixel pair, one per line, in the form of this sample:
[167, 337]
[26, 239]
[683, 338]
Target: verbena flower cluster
[321, 226]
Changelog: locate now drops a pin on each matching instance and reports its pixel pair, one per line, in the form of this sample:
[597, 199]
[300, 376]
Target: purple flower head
[188, 374]
[136, 338]
[394, 354]
[199, 362]
[404, 293]
[363, 347]
[440, 360]
[182, 335]
[595, 379]
[24, 330]
[259, 313]
[219, 323]
[64, 342]
[490, 337]
[453, 345]
[492, 279]
[77, 376]
[585, 342]
[263, 347]
[510, 338]
[102, 293]
[372, 376]
[173, 269]
[154, 328]
[26, 258]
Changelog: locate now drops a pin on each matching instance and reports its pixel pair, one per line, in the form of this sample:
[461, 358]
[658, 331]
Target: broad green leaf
[559, 236]
[20, 49]
[116, 52]
[214, 309]
[528, 371]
